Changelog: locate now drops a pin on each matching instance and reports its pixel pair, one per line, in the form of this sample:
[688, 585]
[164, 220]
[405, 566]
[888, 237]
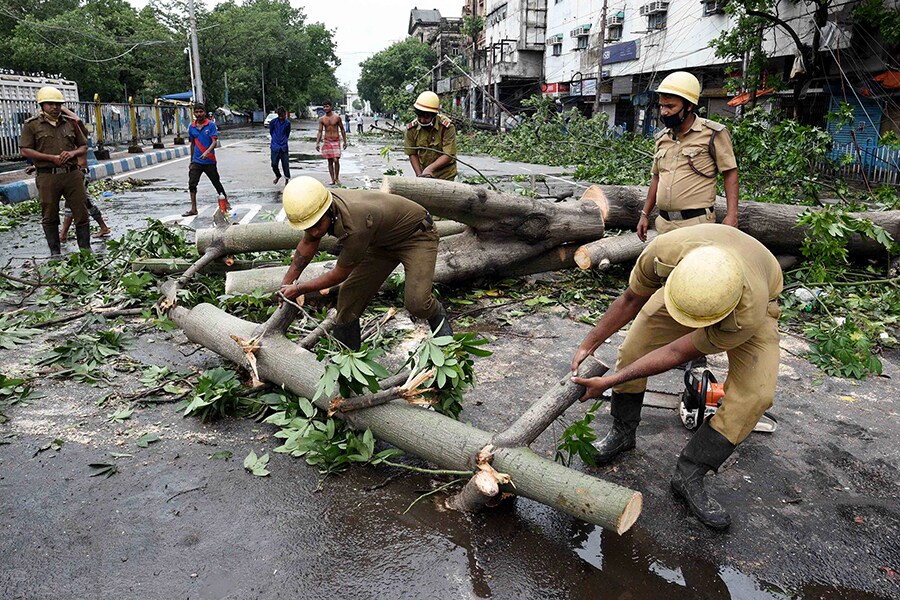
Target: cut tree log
[428, 434]
[774, 225]
[258, 237]
[611, 251]
[497, 216]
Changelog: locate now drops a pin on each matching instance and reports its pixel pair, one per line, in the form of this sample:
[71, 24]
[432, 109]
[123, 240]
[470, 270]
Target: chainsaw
[701, 399]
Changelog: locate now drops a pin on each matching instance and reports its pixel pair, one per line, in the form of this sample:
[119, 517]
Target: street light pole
[600, 57]
[195, 53]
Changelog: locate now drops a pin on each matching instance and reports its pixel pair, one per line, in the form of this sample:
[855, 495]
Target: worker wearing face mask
[430, 140]
[690, 152]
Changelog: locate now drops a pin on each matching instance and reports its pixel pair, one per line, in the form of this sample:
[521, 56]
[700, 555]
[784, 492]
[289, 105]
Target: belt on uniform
[427, 223]
[683, 215]
[57, 170]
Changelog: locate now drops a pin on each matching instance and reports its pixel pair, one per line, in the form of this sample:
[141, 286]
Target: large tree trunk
[430, 435]
[775, 225]
[495, 216]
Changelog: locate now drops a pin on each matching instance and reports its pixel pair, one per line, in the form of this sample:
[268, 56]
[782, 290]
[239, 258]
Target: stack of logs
[485, 234]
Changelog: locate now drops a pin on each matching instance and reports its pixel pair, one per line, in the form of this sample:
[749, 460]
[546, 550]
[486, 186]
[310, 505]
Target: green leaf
[221, 455]
[103, 469]
[147, 439]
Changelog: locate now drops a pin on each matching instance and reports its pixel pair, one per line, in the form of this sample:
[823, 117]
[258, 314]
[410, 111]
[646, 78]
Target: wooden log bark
[611, 251]
[494, 215]
[168, 266]
[775, 225]
[256, 237]
[432, 436]
[551, 405]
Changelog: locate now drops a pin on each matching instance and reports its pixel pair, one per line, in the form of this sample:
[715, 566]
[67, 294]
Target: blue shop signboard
[620, 52]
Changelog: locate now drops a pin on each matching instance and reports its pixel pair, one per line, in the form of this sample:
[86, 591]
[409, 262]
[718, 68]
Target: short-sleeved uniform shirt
[41, 135]
[680, 188]
[365, 219]
[202, 135]
[762, 279]
[423, 141]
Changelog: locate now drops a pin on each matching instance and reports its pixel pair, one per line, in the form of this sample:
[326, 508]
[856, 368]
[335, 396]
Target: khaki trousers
[52, 188]
[417, 254]
[752, 366]
[664, 226]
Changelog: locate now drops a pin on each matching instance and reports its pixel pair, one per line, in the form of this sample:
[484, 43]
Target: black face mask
[673, 121]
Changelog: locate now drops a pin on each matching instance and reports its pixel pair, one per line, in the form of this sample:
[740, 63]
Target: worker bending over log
[695, 291]
[376, 232]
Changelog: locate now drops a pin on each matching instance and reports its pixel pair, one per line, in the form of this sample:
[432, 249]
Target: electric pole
[195, 53]
[600, 58]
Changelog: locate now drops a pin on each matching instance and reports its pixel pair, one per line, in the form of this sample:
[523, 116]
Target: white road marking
[186, 221]
[281, 216]
[252, 209]
[163, 163]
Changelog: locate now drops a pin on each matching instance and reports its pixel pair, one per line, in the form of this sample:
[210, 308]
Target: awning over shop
[745, 97]
[179, 96]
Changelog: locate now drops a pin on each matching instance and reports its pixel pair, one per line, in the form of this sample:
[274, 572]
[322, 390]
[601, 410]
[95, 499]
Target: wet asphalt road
[815, 504]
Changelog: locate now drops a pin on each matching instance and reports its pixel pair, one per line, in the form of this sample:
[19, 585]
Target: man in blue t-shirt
[204, 136]
[280, 131]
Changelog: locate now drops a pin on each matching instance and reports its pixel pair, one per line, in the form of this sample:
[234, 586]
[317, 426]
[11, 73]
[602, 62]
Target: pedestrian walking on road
[694, 291]
[204, 137]
[690, 152]
[347, 121]
[332, 127]
[376, 120]
[378, 231]
[430, 140]
[359, 123]
[280, 131]
[54, 143]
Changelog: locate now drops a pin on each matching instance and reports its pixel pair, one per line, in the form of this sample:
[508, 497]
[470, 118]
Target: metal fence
[115, 118]
[878, 164]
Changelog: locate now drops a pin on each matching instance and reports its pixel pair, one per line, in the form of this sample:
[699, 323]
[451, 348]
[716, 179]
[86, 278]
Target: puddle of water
[298, 156]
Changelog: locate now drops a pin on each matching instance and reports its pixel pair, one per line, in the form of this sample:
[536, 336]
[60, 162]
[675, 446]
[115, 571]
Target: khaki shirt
[440, 136]
[365, 219]
[762, 280]
[680, 188]
[40, 135]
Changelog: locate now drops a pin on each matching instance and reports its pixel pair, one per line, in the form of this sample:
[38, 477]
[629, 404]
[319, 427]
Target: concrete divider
[19, 191]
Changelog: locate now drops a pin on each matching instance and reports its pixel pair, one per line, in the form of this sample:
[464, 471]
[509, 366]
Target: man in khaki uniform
[430, 140]
[694, 291]
[376, 232]
[53, 142]
[690, 152]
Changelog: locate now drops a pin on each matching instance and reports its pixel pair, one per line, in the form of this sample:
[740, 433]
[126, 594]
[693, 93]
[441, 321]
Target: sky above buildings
[362, 27]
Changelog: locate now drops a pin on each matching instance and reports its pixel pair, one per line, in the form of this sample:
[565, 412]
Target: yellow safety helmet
[305, 200]
[428, 102]
[704, 287]
[49, 94]
[681, 84]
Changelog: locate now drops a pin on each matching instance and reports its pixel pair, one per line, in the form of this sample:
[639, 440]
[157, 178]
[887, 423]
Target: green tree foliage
[880, 18]
[249, 41]
[386, 74]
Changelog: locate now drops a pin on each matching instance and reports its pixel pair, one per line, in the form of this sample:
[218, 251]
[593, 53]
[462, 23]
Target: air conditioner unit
[555, 39]
[654, 8]
[616, 19]
[580, 31]
[613, 35]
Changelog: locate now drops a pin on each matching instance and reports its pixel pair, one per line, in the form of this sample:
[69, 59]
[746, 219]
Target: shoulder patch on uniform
[659, 134]
[34, 118]
[412, 123]
[445, 120]
[713, 125]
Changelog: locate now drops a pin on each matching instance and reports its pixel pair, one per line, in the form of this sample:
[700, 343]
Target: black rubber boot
[706, 451]
[83, 235]
[440, 322]
[51, 232]
[348, 334]
[626, 413]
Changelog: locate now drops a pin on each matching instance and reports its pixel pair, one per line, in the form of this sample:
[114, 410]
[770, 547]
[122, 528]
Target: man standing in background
[333, 128]
[280, 131]
[204, 136]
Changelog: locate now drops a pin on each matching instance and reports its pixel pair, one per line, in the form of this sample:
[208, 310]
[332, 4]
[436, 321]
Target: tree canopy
[386, 74]
[110, 48]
